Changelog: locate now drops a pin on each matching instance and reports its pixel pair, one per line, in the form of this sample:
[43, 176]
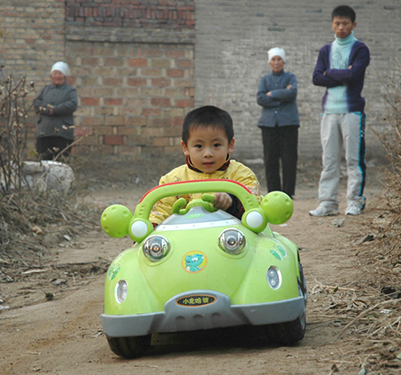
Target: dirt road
[63, 335]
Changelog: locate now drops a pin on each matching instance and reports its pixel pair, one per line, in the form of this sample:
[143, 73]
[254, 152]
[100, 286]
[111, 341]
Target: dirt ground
[49, 314]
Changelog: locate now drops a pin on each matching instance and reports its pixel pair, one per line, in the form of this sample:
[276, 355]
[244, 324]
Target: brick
[136, 121]
[161, 63]
[130, 150]
[114, 140]
[105, 149]
[114, 120]
[103, 111]
[112, 81]
[114, 61]
[137, 62]
[151, 72]
[176, 92]
[151, 52]
[160, 141]
[128, 131]
[137, 102]
[185, 63]
[173, 150]
[113, 101]
[175, 73]
[162, 102]
[71, 81]
[129, 111]
[175, 53]
[137, 81]
[161, 82]
[154, 132]
[182, 103]
[184, 83]
[103, 130]
[177, 121]
[90, 61]
[89, 121]
[161, 122]
[90, 101]
[151, 112]
[81, 131]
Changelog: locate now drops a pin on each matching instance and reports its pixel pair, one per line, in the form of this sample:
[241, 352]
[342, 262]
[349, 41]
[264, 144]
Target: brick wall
[130, 61]
[232, 40]
[33, 38]
[133, 70]
[133, 96]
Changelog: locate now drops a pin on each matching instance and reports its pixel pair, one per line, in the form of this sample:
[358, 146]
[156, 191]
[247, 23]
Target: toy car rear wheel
[129, 347]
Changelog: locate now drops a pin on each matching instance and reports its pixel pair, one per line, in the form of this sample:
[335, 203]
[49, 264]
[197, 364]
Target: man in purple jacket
[341, 68]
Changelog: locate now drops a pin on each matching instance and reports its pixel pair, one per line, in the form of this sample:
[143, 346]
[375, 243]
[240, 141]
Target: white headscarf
[61, 67]
[276, 51]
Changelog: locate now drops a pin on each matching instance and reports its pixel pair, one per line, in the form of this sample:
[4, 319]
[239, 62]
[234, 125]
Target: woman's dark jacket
[64, 101]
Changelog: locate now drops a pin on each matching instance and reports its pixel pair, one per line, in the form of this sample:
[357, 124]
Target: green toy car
[202, 268]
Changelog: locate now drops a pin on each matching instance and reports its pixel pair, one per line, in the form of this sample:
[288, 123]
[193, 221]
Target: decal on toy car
[196, 300]
[113, 271]
[194, 261]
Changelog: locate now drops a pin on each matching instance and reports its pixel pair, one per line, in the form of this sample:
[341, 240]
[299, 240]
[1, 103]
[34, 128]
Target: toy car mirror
[278, 207]
[115, 220]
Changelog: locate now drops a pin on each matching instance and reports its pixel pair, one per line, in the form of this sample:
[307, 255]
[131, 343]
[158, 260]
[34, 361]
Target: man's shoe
[353, 209]
[324, 211]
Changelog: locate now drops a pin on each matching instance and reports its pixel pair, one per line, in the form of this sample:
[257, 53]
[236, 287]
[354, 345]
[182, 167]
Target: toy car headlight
[156, 248]
[232, 241]
[121, 291]
[274, 277]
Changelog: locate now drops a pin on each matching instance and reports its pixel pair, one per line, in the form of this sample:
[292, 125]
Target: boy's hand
[222, 201]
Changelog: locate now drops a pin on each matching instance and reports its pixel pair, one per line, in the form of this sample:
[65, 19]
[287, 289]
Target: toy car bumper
[202, 309]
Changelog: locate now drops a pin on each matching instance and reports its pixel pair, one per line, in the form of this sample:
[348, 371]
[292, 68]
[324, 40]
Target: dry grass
[369, 310]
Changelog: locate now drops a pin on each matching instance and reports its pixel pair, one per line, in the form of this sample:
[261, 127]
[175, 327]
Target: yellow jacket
[235, 171]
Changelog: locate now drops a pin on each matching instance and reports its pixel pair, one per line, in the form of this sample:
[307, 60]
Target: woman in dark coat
[279, 122]
[55, 105]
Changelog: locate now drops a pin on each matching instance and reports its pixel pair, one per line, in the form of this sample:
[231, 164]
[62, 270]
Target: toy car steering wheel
[206, 202]
[276, 207]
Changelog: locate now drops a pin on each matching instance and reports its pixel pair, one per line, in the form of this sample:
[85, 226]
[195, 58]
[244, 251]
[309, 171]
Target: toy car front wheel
[129, 347]
[288, 333]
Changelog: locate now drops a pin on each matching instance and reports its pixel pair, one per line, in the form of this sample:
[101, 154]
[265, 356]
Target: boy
[207, 142]
[341, 68]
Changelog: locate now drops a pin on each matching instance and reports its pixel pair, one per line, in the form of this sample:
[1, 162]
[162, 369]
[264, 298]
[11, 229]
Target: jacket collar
[222, 168]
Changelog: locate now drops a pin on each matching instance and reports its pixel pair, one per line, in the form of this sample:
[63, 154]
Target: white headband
[276, 51]
[61, 67]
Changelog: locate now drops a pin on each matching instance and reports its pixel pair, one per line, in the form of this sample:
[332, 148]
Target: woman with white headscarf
[277, 93]
[55, 105]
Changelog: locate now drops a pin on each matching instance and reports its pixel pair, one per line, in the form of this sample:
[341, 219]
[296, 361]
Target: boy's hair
[344, 11]
[208, 116]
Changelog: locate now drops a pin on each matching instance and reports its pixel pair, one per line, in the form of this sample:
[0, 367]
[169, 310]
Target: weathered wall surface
[133, 70]
[138, 70]
[32, 38]
[130, 61]
[232, 40]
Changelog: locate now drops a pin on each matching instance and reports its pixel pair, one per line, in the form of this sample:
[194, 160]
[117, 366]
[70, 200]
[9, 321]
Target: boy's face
[342, 26]
[277, 64]
[208, 148]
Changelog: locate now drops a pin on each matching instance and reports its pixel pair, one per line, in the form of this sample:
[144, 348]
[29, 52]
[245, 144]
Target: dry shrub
[374, 307]
[26, 214]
